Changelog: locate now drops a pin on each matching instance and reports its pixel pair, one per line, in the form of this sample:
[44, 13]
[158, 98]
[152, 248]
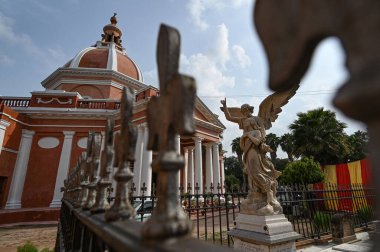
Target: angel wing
[270, 107]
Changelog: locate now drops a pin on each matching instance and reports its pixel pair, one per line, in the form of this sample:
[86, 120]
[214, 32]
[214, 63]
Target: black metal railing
[309, 208]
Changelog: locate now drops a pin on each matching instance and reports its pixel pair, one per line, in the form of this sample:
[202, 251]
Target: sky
[220, 48]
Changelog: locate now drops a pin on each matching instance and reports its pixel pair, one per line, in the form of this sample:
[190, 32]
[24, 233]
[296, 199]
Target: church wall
[11, 143]
[42, 171]
[7, 163]
[115, 93]
[95, 92]
[76, 150]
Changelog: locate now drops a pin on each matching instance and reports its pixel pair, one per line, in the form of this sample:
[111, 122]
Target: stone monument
[260, 225]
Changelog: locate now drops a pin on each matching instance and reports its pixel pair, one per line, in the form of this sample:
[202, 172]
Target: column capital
[28, 133]
[198, 139]
[68, 134]
[208, 144]
[189, 148]
[4, 124]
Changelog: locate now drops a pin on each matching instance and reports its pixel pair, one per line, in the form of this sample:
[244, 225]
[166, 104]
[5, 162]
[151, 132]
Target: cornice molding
[51, 83]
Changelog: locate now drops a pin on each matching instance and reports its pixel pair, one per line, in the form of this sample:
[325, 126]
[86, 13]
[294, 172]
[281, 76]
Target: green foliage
[235, 146]
[321, 220]
[304, 171]
[273, 141]
[365, 213]
[280, 163]
[287, 145]
[30, 247]
[317, 133]
[233, 166]
[358, 143]
[232, 183]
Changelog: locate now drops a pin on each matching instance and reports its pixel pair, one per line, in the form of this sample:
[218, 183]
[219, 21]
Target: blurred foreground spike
[106, 167]
[125, 145]
[168, 115]
[94, 170]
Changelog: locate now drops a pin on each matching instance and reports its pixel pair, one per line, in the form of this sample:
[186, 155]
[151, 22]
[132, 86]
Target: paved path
[362, 244]
[41, 237]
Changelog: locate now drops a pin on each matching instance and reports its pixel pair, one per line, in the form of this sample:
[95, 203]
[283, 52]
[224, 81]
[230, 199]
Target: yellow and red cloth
[343, 185]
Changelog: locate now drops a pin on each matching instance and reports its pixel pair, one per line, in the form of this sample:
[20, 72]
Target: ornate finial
[125, 144]
[112, 33]
[93, 176]
[113, 19]
[106, 167]
[168, 115]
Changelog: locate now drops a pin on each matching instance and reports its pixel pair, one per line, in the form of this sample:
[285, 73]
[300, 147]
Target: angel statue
[261, 173]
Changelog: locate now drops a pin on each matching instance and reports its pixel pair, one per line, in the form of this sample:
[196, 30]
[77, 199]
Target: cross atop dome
[112, 33]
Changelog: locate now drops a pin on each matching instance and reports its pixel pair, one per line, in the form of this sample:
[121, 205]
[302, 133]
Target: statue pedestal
[273, 233]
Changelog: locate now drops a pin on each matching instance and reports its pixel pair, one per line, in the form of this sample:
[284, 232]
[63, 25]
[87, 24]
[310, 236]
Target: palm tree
[317, 133]
[273, 141]
[235, 146]
[358, 143]
[287, 145]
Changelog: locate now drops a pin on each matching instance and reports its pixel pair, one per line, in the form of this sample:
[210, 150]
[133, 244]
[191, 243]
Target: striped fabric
[346, 178]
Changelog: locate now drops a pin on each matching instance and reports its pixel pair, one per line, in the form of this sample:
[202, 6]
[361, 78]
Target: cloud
[241, 3]
[197, 8]
[5, 60]
[242, 58]
[51, 56]
[220, 52]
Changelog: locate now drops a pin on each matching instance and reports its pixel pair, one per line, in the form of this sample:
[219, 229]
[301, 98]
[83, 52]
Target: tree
[234, 167]
[280, 163]
[358, 143]
[304, 171]
[273, 141]
[235, 146]
[287, 145]
[232, 183]
[317, 133]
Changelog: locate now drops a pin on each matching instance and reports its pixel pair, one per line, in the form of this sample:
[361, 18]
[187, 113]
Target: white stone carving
[48, 142]
[69, 101]
[82, 143]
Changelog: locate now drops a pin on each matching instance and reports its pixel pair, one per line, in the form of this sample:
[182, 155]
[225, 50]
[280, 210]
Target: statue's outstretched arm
[227, 113]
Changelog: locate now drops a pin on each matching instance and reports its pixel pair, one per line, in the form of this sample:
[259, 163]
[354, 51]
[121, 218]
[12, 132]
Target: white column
[3, 127]
[190, 169]
[18, 179]
[222, 170]
[185, 169]
[178, 149]
[146, 170]
[215, 164]
[198, 163]
[138, 159]
[63, 168]
[209, 177]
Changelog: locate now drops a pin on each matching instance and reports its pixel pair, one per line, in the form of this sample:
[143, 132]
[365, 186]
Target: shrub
[304, 171]
[365, 213]
[30, 247]
[321, 221]
[27, 247]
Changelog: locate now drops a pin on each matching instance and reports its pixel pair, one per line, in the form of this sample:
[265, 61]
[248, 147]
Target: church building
[42, 136]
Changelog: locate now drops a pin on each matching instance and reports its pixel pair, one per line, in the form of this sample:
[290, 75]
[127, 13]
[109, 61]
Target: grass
[30, 247]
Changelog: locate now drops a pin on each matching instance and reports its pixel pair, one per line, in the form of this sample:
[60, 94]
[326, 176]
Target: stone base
[249, 246]
[344, 239]
[272, 233]
[271, 224]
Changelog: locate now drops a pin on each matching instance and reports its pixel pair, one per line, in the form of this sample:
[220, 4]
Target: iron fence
[308, 208]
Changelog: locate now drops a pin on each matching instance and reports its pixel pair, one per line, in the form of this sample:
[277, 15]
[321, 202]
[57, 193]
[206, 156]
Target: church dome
[107, 54]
